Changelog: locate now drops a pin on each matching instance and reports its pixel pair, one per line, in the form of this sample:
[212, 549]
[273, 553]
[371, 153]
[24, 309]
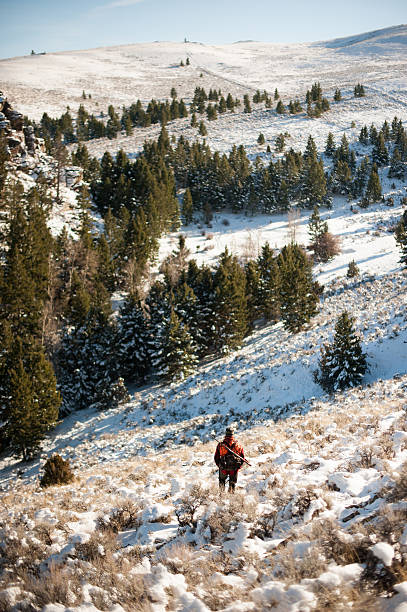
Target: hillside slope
[121, 75]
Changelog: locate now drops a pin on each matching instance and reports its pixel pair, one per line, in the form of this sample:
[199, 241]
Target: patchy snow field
[319, 519]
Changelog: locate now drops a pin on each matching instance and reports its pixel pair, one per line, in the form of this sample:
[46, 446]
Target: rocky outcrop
[20, 141]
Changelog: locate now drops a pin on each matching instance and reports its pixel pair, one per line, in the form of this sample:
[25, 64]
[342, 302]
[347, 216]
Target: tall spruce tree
[87, 364]
[177, 357]
[374, 188]
[132, 351]
[187, 207]
[230, 304]
[269, 285]
[342, 363]
[298, 298]
[33, 402]
[401, 238]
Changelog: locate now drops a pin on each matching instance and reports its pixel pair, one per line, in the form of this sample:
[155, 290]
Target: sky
[55, 25]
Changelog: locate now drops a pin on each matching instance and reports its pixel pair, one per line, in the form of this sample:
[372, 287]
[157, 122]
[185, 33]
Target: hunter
[229, 457]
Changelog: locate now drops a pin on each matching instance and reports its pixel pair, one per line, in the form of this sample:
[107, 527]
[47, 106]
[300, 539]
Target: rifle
[233, 452]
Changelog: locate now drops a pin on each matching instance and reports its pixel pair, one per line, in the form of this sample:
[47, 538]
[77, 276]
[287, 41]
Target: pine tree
[401, 238]
[201, 281]
[337, 95]
[330, 147]
[397, 166]
[230, 304]
[269, 285]
[359, 91]
[87, 364]
[177, 357]
[187, 207]
[298, 299]
[353, 270]
[342, 364]
[280, 108]
[202, 129]
[316, 227]
[380, 154]
[247, 105]
[33, 402]
[313, 182]
[132, 352]
[374, 188]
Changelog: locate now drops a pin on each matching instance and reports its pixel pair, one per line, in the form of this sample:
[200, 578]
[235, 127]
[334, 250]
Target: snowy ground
[318, 521]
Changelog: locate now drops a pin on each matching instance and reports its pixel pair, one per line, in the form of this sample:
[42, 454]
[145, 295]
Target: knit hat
[229, 431]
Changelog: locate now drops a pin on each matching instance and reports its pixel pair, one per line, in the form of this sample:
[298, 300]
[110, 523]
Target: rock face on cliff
[20, 141]
[26, 151]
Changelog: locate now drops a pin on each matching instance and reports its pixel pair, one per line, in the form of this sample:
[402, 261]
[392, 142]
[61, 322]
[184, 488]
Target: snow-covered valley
[318, 520]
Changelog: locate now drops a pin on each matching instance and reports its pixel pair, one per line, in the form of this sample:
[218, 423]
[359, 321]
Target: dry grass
[57, 585]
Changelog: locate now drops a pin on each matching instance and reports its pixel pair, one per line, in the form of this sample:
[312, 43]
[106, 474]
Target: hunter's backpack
[228, 461]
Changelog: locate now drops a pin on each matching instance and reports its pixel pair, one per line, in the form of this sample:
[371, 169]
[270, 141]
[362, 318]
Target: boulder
[16, 119]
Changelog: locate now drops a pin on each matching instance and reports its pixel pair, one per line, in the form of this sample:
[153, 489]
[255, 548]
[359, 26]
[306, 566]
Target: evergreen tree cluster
[29, 400]
[388, 148]
[359, 91]
[86, 126]
[194, 312]
[230, 181]
[316, 103]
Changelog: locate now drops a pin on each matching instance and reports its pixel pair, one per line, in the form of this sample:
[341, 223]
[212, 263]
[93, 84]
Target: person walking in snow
[229, 457]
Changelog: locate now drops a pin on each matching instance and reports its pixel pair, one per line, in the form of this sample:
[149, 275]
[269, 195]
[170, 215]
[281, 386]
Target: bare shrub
[293, 569]
[189, 504]
[125, 517]
[233, 511]
[20, 553]
[264, 526]
[99, 545]
[57, 585]
[326, 246]
[336, 545]
[399, 491]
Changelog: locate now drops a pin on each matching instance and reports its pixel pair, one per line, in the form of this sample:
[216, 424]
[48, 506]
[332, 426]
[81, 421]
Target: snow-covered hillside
[121, 75]
[318, 521]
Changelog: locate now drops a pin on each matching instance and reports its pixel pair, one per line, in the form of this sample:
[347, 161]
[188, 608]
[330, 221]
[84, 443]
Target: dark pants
[224, 475]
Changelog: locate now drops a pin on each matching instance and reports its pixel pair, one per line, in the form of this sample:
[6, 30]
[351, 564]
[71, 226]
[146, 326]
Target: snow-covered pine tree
[87, 363]
[132, 352]
[298, 298]
[33, 401]
[353, 270]
[186, 307]
[201, 282]
[397, 166]
[269, 285]
[374, 188]
[187, 207]
[342, 363]
[330, 147]
[401, 237]
[230, 304]
[380, 154]
[177, 357]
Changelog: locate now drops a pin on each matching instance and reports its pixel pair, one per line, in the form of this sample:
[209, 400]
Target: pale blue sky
[55, 25]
